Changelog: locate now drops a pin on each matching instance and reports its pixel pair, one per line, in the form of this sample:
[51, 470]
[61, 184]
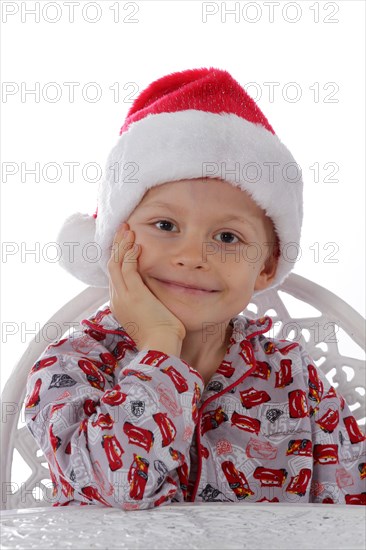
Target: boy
[167, 394]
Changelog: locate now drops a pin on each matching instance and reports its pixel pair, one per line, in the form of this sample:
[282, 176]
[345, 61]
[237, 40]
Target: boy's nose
[190, 252]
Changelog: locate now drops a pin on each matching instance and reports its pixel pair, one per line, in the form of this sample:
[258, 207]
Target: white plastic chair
[323, 324]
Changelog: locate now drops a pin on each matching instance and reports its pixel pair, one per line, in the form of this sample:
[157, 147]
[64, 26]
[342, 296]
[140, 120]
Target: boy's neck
[206, 354]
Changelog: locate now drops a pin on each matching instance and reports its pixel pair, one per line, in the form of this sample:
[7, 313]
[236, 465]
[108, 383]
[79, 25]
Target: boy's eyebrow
[227, 218]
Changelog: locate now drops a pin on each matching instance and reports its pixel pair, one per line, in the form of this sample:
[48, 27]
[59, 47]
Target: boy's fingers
[124, 253]
[119, 248]
[120, 245]
[129, 269]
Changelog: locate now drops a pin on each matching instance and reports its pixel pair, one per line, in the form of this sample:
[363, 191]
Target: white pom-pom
[80, 253]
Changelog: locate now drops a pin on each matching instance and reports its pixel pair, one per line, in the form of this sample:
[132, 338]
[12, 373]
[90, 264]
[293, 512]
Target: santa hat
[190, 124]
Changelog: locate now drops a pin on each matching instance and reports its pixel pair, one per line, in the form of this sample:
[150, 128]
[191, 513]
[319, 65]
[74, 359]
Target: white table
[184, 526]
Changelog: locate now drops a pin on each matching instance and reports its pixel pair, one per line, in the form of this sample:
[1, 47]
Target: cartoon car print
[55, 440]
[164, 498]
[95, 334]
[236, 480]
[261, 449]
[313, 410]
[359, 498]
[252, 397]
[226, 369]
[362, 470]
[104, 421]
[154, 358]
[331, 394]
[262, 370]
[284, 375]
[286, 349]
[167, 429]
[107, 363]
[176, 377]
[182, 472]
[213, 419]
[269, 477]
[298, 484]
[56, 408]
[204, 451]
[138, 374]
[177, 455]
[98, 318]
[94, 377]
[113, 450]
[215, 385]
[66, 488]
[92, 493]
[329, 421]
[258, 322]
[354, 432]
[298, 407]
[122, 347]
[139, 436]
[114, 397]
[83, 428]
[33, 399]
[343, 402]
[269, 348]
[300, 447]
[43, 363]
[316, 386]
[53, 480]
[137, 476]
[52, 459]
[246, 423]
[264, 499]
[326, 454]
[195, 400]
[90, 406]
[247, 352]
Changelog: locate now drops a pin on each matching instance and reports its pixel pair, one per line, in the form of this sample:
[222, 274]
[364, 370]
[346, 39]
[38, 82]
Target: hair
[274, 251]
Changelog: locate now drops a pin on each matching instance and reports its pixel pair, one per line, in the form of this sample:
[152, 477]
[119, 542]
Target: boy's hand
[134, 306]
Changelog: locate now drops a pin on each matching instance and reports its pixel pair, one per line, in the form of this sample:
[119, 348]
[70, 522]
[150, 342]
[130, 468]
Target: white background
[169, 37]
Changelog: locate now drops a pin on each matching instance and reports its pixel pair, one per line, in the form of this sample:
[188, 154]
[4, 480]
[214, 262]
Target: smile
[185, 290]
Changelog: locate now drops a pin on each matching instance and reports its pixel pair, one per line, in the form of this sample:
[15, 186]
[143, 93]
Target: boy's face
[191, 239]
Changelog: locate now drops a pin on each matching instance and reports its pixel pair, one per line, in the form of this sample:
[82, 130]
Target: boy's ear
[267, 273]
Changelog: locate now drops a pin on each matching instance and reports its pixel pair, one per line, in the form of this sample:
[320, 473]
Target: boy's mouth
[184, 287]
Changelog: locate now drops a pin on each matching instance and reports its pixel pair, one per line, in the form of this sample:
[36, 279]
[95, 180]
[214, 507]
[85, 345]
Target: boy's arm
[339, 445]
[112, 435]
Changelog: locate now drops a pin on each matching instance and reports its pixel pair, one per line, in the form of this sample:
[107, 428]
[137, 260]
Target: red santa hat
[190, 124]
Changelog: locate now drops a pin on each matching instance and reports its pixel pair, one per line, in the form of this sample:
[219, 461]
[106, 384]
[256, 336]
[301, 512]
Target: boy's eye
[226, 233]
[230, 235]
[165, 222]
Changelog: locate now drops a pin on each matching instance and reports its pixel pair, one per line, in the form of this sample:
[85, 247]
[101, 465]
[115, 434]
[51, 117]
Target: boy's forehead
[200, 189]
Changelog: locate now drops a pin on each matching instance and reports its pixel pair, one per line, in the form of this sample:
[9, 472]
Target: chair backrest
[319, 320]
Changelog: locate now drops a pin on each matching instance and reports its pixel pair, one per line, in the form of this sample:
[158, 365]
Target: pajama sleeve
[339, 448]
[115, 427]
